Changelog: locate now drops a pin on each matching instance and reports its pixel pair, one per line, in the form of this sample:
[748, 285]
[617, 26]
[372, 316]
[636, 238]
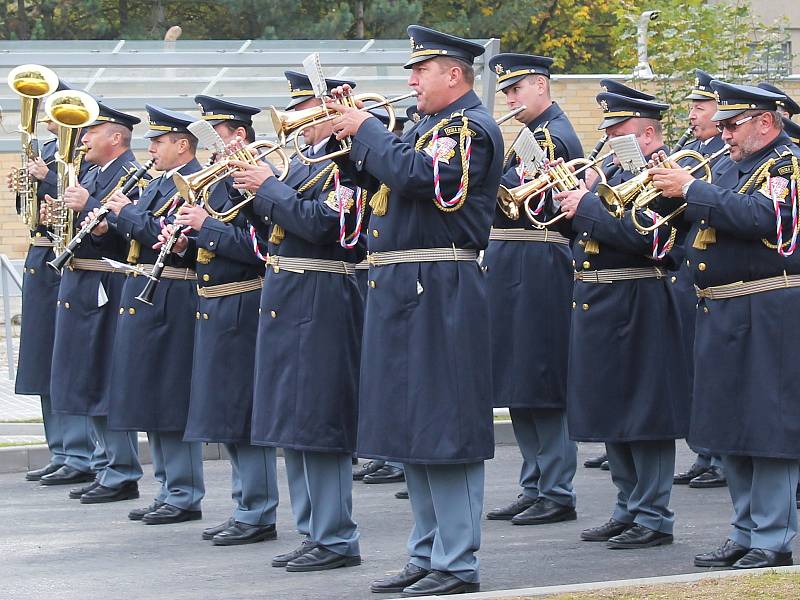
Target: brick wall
[575, 94]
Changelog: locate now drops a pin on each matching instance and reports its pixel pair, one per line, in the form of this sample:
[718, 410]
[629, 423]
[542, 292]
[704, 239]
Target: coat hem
[644, 438]
[425, 461]
[303, 448]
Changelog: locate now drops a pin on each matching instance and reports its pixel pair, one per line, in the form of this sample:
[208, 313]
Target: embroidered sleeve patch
[445, 149]
[456, 130]
[785, 170]
[346, 196]
[778, 188]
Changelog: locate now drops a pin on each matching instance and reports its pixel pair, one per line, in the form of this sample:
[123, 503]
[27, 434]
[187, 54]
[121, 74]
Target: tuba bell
[71, 110]
[31, 83]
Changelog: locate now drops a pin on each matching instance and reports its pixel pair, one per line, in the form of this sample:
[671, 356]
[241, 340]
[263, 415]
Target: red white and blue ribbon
[254, 241]
[776, 202]
[344, 240]
[436, 181]
[657, 254]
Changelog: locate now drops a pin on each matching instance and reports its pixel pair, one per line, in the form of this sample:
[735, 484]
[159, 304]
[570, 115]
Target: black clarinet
[60, 261]
[597, 147]
[149, 290]
[684, 138]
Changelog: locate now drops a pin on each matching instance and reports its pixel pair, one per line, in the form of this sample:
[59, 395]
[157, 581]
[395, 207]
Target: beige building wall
[575, 94]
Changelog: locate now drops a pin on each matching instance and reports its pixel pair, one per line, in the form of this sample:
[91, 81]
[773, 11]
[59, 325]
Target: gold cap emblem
[604, 105]
[498, 68]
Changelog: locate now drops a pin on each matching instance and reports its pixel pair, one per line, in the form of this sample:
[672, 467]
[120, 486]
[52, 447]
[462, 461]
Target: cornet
[292, 122]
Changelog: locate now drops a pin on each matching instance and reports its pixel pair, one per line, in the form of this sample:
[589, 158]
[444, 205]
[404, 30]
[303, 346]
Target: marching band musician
[309, 338]
[229, 280]
[86, 319]
[69, 437]
[706, 472]
[624, 311]
[742, 257]
[152, 362]
[426, 397]
[788, 107]
[529, 275]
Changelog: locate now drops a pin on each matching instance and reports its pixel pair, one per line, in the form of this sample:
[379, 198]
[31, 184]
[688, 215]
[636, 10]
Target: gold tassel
[134, 251]
[277, 235]
[380, 201]
[704, 238]
[592, 247]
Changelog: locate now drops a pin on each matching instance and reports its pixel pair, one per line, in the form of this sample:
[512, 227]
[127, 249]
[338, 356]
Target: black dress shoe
[65, 475]
[724, 556]
[365, 469]
[386, 474]
[410, 575]
[102, 494]
[506, 513]
[137, 513]
[167, 514]
[242, 533]
[76, 493]
[604, 532]
[321, 559]
[604, 466]
[439, 583]
[284, 559]
[596, 461]
[210, 532]
[545, 511]
[685, 477]
[712, 478]
[639, 536]
[758, 558]
[402, 494]
[37, 474]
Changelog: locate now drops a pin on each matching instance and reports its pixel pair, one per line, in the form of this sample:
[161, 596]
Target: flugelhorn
[126, 184]
[650, 193]
[195, 187]
[560, 177]
[32, 83]
[291, 123]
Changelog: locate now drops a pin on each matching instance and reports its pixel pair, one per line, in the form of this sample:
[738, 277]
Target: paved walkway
[55, 547]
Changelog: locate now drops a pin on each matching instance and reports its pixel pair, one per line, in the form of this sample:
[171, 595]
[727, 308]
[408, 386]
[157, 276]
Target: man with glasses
[742, 257]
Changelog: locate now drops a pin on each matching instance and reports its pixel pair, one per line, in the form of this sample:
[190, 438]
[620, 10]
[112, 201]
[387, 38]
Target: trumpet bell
[32, 81]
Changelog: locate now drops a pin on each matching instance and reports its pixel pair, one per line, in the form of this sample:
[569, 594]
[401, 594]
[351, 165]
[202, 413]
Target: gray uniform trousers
[254, 483]
[120, 453]
[178, 466]
[763, 494]
[66, 433]
[321, 493]
[446, 501]
[709, 460]
[549, 457]
[642, 473]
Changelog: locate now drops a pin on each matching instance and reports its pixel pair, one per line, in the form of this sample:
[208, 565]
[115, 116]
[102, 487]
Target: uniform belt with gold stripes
[230, 289]
[42, 241]
[362, 266]
[171, 272]
[745, 288]
[527, 235]
[301, 265]
[612, 275]
[91, 264]
[418, 255]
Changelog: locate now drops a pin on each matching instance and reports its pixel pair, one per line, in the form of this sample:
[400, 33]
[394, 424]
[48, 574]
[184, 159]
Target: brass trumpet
[650, 193]
[31, 83]
[639, 191]
[291, 123]
[560, 176]
[195, 187]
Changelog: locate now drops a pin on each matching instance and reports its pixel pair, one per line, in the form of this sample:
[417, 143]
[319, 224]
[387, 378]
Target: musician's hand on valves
[571, 200]
[671, 182]
[75, 197]
[44, 209]
[11, 179]
[101, 228]
[250, 177]
[658, 158]
[37, 168]
[190, 215]
[349, 119]
[117, 202]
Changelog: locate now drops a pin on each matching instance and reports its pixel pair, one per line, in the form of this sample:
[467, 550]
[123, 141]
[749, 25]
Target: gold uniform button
[273, 314]
[688, 264]
[372, 284]
[705, 309]
[58, 302]
[38, 234]
[375, 233]
[33, 271]
[702, 221]
[121, 311]
[197, 315]
[573, 263]
[673, 279]
[585, 307]
[205, 316]
[210, 243]
[259, 310]
[586, 264]
[574, 304]
[66, 305]
[131, 311]
[206, 277]
[701, 266]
